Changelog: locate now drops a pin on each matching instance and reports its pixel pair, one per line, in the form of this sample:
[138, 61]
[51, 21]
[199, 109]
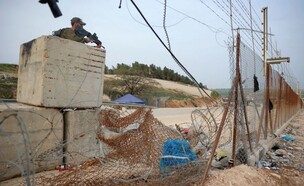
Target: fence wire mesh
[267, 106]
[128, 149]
[109, 146]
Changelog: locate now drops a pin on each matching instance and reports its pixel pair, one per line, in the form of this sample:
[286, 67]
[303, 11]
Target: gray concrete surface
[56, 72]
[266, 145]
[30, 139]
[81, 127]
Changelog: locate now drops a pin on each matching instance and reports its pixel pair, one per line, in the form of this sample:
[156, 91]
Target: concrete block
[30, 139]
[56, 72]
[81, 128]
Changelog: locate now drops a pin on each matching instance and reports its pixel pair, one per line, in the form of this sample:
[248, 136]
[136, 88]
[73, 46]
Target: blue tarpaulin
[129, 98]
[176, 153]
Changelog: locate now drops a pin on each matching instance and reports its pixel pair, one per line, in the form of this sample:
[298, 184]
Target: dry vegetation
[175, 94]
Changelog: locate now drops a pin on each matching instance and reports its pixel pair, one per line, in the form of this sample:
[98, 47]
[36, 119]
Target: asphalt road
[172, 116]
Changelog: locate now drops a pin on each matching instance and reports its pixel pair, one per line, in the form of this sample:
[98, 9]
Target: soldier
[69, 33]
[77, 33]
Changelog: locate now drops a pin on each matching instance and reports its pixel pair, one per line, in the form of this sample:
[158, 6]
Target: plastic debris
[62, 167]
[280, 152]
[287, 138]
[301, 169]
[175, 153]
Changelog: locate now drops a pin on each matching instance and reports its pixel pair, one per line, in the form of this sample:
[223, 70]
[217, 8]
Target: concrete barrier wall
[56, 72]
[33, 139]
[30, 139]
[53, 73]
[81, 128]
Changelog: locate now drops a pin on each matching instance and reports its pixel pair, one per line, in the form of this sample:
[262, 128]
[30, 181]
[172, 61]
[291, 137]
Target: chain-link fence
[261, 102]
[108, 146]
[125, 147]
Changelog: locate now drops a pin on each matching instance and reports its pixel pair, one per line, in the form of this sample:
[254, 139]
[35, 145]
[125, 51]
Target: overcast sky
[198, 32]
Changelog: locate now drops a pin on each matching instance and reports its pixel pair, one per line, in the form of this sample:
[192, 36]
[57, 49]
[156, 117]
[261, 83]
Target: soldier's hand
[87, 40]
[100, 46]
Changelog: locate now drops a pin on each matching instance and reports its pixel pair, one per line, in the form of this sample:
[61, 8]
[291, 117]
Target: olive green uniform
[68, 33]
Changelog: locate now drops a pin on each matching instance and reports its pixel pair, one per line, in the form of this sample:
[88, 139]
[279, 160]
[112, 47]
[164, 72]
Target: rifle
[81, 32]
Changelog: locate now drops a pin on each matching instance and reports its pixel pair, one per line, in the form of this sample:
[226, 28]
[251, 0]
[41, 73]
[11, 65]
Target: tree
[140, 69]
[122, 69]
[152, 71]
[143, 70]
[135, 84]
[214, 94]
[106, 70]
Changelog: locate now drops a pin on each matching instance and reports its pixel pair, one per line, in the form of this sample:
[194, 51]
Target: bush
[215, 94]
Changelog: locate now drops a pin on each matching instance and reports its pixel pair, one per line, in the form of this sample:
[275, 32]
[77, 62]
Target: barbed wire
[134, 154]
[164, 24]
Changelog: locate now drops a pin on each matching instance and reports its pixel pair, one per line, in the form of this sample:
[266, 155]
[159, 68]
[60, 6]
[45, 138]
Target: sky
[198, 31]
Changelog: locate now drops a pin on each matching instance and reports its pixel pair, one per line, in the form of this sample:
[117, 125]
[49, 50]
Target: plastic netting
[134, 153]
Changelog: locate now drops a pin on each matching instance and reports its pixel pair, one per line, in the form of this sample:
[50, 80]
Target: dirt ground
[198, 102]
[289, 172]
[192, 90]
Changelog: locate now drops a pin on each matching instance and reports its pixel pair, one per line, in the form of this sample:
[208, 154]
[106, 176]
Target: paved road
[172, 116]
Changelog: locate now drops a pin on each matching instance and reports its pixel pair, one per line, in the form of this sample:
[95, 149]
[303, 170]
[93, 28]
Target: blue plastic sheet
[176, 153]
[287, 138]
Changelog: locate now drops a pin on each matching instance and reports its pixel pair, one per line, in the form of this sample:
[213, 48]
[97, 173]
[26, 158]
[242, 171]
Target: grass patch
[8, 83]
[8, 88]
[9, 68]
[160, 92]
[223, 92]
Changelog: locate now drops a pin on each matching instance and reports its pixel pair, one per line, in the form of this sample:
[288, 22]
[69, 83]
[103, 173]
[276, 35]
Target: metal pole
[236, 101]
[245, 112]
[221, 127]
[266, 101]
[264, 10]
[219, 132]
[264, 39]
[64, 139]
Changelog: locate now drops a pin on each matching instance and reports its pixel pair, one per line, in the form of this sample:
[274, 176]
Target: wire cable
[173, 56]
[236, 20]
[184, 18]
[215, 13]
[211, 28]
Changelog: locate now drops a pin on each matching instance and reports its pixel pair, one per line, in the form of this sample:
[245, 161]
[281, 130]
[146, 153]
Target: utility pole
[266, 69]
[267, 63]
[265, 37]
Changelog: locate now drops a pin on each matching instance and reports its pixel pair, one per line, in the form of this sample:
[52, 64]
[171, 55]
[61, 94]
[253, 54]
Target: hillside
[170, 94]
[8, 81]
[188, 89]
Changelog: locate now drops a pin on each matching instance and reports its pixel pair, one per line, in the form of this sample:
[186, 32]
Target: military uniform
[70, 34]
